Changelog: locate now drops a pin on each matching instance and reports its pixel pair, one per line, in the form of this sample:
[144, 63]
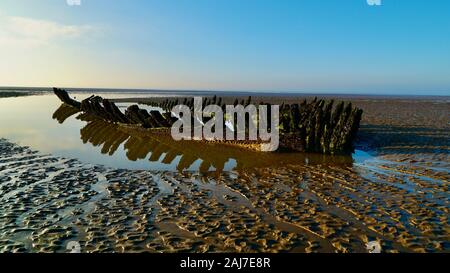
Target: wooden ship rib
[142, 144]
[317, 126]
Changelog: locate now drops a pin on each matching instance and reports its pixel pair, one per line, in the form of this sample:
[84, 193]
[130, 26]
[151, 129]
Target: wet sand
[399, 196]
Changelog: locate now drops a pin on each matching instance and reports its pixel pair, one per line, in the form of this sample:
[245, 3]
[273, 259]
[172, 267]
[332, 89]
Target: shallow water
[33, 121]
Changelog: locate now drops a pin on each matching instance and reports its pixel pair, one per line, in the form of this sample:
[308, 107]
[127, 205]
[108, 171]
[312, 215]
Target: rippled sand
[398, 199]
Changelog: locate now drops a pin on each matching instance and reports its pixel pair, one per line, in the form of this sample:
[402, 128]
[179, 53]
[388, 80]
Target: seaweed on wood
[317, 126]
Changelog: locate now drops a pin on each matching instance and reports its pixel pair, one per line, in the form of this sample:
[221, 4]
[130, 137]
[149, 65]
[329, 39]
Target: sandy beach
[397, 194]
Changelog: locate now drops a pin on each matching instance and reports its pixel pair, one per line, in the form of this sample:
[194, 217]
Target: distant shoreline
[34, 90]
[15, 94]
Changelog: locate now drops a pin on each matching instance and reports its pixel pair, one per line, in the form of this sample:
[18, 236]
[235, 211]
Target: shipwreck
[315, 126]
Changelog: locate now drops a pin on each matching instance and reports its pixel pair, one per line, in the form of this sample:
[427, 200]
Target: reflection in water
[64, 112]
[181, 155]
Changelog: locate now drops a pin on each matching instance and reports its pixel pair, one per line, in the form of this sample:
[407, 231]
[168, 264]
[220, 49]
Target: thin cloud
[29, 32]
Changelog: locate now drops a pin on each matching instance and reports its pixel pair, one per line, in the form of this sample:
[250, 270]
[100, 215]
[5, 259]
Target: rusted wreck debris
[316, 126]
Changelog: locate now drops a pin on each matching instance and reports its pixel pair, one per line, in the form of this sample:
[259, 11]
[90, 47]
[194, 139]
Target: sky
[311, 46]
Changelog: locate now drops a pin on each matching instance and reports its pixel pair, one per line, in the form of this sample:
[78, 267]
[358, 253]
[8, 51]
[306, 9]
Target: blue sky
[323, 46]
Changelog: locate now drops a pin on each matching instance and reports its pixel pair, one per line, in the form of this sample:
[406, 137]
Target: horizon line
[326, 93]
